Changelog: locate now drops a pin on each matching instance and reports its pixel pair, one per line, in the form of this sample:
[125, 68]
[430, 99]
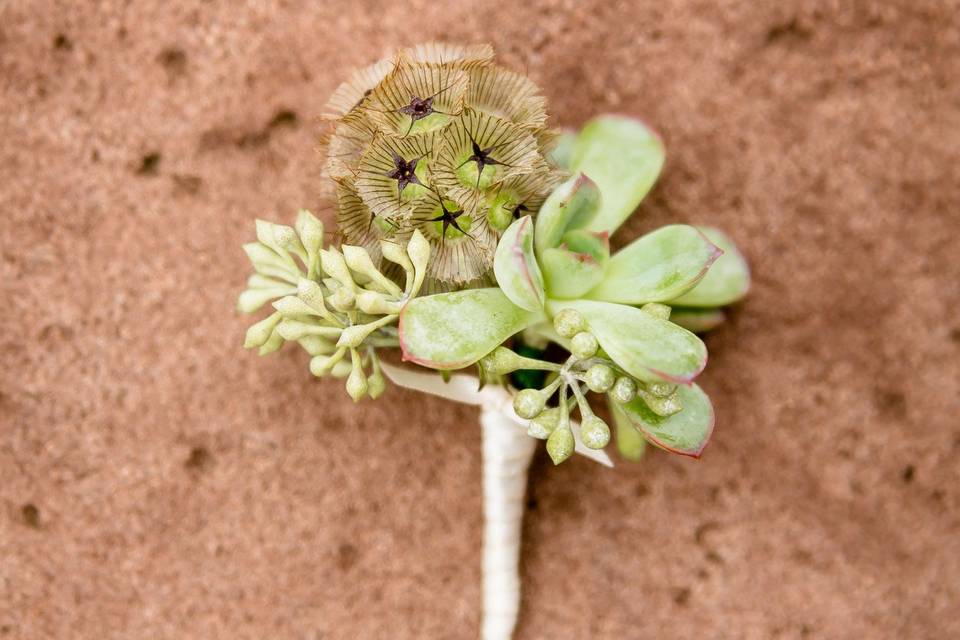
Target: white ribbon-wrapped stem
[507, 450]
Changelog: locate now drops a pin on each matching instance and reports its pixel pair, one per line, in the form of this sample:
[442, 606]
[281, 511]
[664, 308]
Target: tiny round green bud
[310, 230]
[353, 337]
[252, 299]
[322, 365]
[583, 345]
[376, 385]
[661, 389]
[341, 370]
[560, 444]
[287, 239]
[500, 361]
[666, 406]
[343, 299]
[311, 293]
[528, 403]
[333, 264]
[656, 310]
[259, 333]
[272, 344]
[396, 254]
[537, 430]
[594, 432]
[600, 378]
[624, 390]
[316, 345]
[358, 259]
[357, 381]
[569, 323]
[418, 248]
[543, 425]
[376, 303]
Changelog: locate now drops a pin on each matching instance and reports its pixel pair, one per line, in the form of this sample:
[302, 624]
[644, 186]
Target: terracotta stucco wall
[156, 481]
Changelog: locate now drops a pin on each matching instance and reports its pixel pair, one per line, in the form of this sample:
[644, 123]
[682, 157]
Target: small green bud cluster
[331, 302]
[587, 369]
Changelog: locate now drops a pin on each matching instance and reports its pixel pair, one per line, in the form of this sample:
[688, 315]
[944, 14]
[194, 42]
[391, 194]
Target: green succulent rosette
[557, 281]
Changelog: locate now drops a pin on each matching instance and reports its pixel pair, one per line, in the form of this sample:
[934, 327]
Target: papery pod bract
[438, 138]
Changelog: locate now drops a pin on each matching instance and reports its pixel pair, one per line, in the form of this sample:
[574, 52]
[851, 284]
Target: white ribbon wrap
[507, 451]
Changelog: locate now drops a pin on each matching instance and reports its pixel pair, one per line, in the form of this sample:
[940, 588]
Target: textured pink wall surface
[157, 481]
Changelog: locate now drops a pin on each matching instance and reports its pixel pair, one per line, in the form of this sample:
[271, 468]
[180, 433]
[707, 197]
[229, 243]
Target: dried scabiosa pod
[441, 139]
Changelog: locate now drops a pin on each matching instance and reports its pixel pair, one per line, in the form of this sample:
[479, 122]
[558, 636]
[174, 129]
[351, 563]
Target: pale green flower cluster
[587, 369]
[331, 302]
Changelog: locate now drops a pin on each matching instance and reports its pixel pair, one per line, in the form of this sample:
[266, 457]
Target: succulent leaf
[646, 347]
[572, 205]
[727, 281]
[515, 266]
[630, 441]
[658, 266]
[562, 151]
[568, 274]
[453, 330]
[686, 432]
[624, 158]
[697, 320]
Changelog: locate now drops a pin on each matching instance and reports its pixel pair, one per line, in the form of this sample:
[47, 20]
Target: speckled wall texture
[158, 482]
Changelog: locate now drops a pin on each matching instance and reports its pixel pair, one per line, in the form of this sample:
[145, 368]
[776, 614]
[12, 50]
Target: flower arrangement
[472, 234]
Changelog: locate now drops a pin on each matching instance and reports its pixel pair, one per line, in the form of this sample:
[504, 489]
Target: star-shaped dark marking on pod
[519, 210]
[404, 172]
[449, 219]
[418, 108]
[482, 158]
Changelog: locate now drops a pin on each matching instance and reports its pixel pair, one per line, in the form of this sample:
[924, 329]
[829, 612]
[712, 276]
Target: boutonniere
[473, 236]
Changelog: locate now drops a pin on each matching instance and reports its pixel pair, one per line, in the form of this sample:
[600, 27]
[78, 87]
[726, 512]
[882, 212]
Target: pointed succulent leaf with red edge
[727, 281]
[569, 275]
[577, 265]
[623, 157]
[658, 266]
[571, 206]
[686, 432]
[516, 267]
